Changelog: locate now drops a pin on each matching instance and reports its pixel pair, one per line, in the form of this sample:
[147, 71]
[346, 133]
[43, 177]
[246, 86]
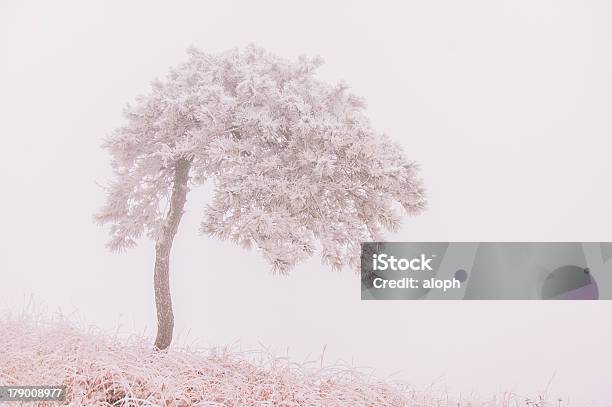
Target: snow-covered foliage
[100, 370]
[294, 159]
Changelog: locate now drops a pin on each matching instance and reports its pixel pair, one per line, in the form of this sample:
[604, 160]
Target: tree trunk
[163, 301]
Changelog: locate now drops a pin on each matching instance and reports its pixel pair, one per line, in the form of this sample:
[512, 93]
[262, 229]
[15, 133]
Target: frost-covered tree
[294, 161]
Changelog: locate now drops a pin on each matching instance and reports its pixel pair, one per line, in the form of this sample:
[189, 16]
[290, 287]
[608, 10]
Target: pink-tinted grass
[100, 370]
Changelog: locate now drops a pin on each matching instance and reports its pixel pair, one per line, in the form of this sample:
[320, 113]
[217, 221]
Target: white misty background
[504, 104]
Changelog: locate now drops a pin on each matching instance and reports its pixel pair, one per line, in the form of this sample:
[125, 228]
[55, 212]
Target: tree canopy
[294, 160]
